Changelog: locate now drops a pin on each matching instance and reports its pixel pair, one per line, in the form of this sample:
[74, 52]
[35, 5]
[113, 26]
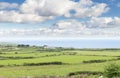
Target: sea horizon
[73, 43]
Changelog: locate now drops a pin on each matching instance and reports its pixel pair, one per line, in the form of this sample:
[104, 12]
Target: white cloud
[104, 22]
[17, 17]
[71, 24]
[5, 5]
[41, 10]
[47, 7]
[101, 27]
[87, 8]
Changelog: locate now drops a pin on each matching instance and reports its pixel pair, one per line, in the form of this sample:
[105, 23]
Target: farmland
[38, 61]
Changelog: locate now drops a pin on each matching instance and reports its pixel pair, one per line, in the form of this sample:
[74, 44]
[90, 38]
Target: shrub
[85, 72]
[94, 61]
[112, 71]
[1, 65]
[16, 52]
[45, 63]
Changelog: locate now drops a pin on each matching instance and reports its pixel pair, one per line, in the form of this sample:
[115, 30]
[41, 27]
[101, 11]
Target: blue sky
[64, 19]
[13, 1]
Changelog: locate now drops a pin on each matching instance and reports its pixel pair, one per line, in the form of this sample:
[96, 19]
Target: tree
[22, 45]
[112, 71]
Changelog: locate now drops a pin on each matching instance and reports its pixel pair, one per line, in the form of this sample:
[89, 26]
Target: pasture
[37, 61]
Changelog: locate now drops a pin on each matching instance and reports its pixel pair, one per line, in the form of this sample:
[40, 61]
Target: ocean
[75, 43]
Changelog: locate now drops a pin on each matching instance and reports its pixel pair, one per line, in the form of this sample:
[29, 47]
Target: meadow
[36, 61]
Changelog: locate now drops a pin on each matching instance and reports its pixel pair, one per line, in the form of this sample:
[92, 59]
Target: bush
[16, 52]
[46, 63]
[85, 72]
[112, 71]
[94, 61]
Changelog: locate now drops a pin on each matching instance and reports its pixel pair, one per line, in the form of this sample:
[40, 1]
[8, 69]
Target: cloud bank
[42, 10]
[37, 11]
[74, 28]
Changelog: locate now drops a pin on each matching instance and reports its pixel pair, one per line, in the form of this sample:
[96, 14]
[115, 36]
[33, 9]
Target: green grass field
[13, 60]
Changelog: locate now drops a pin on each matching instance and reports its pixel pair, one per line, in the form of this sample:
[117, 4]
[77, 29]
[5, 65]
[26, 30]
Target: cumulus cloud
[47, 7]
[87, 8]
[17, 17]
[5, 5]
[41, 10]
[101, 27]
[70, 24]
[103, 22]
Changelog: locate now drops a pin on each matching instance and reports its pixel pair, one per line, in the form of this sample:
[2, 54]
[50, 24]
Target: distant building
[45, 46]
[48, 47]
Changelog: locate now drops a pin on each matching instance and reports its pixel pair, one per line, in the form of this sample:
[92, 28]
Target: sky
[60, 19]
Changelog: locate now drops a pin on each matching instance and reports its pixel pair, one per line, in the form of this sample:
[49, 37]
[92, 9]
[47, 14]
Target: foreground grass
[61, 70]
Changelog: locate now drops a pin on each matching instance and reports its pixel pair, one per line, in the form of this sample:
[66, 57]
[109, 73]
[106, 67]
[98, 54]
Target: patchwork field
[38, 61]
